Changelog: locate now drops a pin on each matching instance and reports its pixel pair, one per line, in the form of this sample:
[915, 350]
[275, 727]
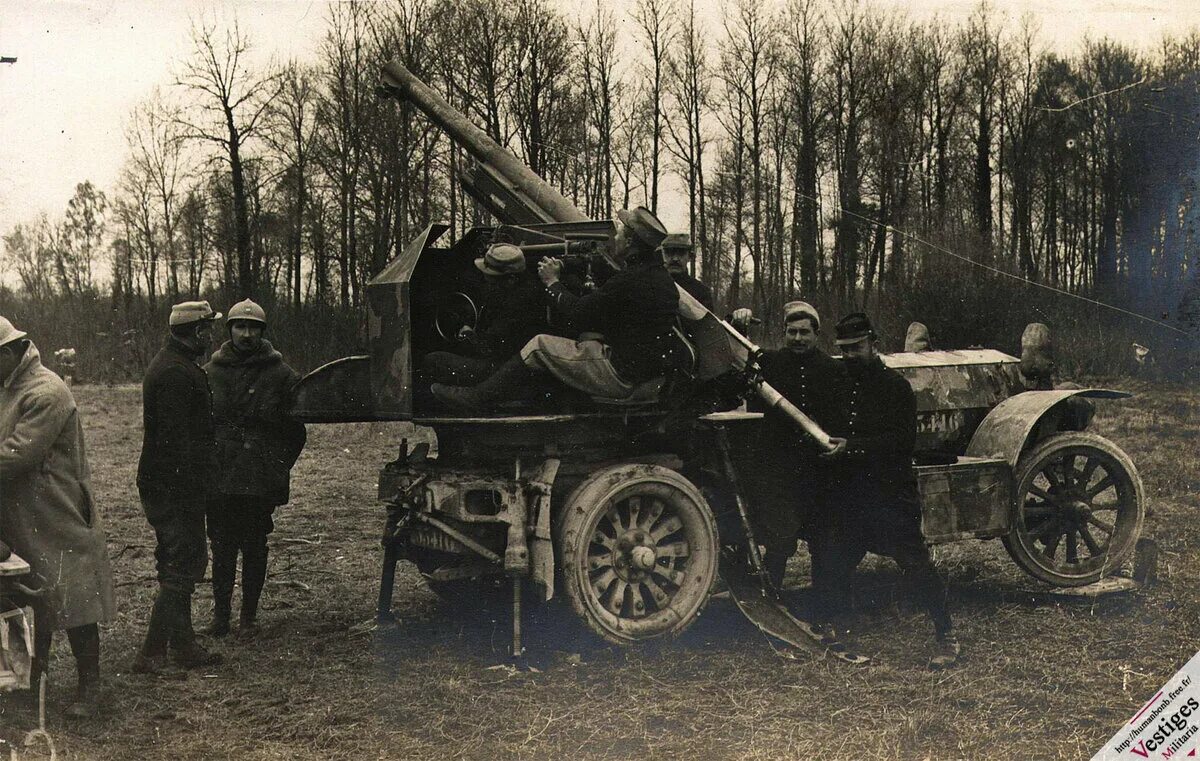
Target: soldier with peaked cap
[677, 253]
[626, 327]
[175, 474]
[512, 311]
[788, 491]
[257, 444]
[874, 506]
[47, 514]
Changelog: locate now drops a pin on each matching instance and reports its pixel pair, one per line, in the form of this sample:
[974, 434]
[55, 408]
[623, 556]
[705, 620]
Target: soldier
[47, 514]
[257, 444]
[677, 253]
[175, 473]
[634, 311]
[512, 312]
[790, 488]
[874, 505]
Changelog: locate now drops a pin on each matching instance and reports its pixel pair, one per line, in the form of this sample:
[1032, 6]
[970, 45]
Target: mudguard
[1005, 431]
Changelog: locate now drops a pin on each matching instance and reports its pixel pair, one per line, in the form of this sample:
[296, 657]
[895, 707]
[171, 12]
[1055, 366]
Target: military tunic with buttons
[873, 501]
[788, 486]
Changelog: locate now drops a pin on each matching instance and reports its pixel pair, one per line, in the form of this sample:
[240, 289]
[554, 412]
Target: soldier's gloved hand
[741, 319]
[466, 333]
[839, 447]
[549, 270]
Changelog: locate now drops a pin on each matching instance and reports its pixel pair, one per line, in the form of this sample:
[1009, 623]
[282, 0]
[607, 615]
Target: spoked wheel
[1078, 510]
[639, 552]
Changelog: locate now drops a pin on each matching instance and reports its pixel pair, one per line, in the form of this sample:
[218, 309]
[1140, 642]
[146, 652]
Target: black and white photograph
[605, 380]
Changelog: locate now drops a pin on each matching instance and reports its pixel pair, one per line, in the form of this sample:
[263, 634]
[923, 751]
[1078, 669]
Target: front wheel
[639, 552]
[1078, 509]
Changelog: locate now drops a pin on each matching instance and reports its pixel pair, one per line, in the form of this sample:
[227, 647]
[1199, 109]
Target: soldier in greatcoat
[874, 506]
[789, 485]
[257, 443]
[175, 474]
[47, 514]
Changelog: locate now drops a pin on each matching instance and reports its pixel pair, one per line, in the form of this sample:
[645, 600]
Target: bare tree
[654, 19]
[229, 108]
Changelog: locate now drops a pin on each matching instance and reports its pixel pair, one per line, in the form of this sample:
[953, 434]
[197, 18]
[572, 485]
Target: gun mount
[622, 499]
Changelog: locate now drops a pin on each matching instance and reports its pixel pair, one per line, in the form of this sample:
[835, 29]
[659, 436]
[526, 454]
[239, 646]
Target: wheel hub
[635, 554]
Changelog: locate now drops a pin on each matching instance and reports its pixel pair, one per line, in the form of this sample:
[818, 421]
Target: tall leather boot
[775, 563]
[254, 576]
[506, 382]
[85, 646]
[224, 570]
[153, 655]
[185, 650]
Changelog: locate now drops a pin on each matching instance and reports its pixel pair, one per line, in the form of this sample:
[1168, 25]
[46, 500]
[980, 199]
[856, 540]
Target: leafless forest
[824, 149]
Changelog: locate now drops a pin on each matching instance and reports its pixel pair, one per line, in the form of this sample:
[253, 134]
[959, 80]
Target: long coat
[257, 440]
[46, 508]
[178, 460]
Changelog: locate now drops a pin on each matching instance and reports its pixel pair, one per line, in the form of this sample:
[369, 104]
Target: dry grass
[1046, 678]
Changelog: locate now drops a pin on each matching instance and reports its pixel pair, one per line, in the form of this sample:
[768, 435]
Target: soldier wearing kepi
[512, 312]
[47, 514]
[874, 506]
[175, 473]
[677, 253]
[257, 444]
[626, 327]
[789, 489]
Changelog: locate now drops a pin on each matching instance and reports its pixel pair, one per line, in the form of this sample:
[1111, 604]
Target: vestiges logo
[1167, 725]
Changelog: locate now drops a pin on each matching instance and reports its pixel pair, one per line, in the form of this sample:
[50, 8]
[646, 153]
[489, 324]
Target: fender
[1005, 431]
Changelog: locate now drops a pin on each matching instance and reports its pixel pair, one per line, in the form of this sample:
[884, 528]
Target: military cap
[644, 226]
[188, 312]
[501, 259]
[853, 328]
[9, 332]
[795, 310]
[677, 240]
[247, 310]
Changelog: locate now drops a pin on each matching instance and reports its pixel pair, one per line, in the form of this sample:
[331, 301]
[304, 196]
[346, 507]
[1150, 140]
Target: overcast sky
[83, 65]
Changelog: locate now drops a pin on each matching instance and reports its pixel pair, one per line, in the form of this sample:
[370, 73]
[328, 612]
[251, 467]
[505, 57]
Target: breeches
[582, 365]
[238, 521]
[181, 555]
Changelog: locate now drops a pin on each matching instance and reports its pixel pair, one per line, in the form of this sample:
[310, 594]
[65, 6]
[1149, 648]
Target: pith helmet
[188, 312]
[246, 310]
[502, 259]
[8, 332]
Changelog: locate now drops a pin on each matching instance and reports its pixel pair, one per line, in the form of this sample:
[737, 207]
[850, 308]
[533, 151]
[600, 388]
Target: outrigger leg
[758, 599]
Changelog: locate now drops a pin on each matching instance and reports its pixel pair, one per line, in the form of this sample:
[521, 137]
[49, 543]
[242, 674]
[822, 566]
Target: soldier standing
[789, 489]
[677, 253]
[47, 513]
[874, 506]
[174, 476]
[257, 444]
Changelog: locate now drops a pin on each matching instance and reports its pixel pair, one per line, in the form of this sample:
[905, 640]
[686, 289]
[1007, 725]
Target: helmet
[8, 332]
[246, 310]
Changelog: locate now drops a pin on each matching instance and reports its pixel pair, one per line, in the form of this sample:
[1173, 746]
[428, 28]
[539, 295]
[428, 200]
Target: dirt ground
[1045, 677]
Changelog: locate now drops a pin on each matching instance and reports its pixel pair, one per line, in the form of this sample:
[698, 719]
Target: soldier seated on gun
[626, 327]
[512, 312]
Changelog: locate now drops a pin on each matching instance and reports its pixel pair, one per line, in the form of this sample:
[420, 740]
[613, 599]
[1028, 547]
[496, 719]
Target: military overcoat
[47, 513]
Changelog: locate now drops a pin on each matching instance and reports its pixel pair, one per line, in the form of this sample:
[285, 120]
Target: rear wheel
[639, 552]
[1078, 509]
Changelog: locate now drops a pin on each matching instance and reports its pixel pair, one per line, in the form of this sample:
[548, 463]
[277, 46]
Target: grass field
[1045, 677]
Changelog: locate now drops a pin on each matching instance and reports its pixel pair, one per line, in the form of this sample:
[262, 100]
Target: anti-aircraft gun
[620, 500]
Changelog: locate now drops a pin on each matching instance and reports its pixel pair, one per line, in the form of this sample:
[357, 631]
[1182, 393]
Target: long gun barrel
[532, 194]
